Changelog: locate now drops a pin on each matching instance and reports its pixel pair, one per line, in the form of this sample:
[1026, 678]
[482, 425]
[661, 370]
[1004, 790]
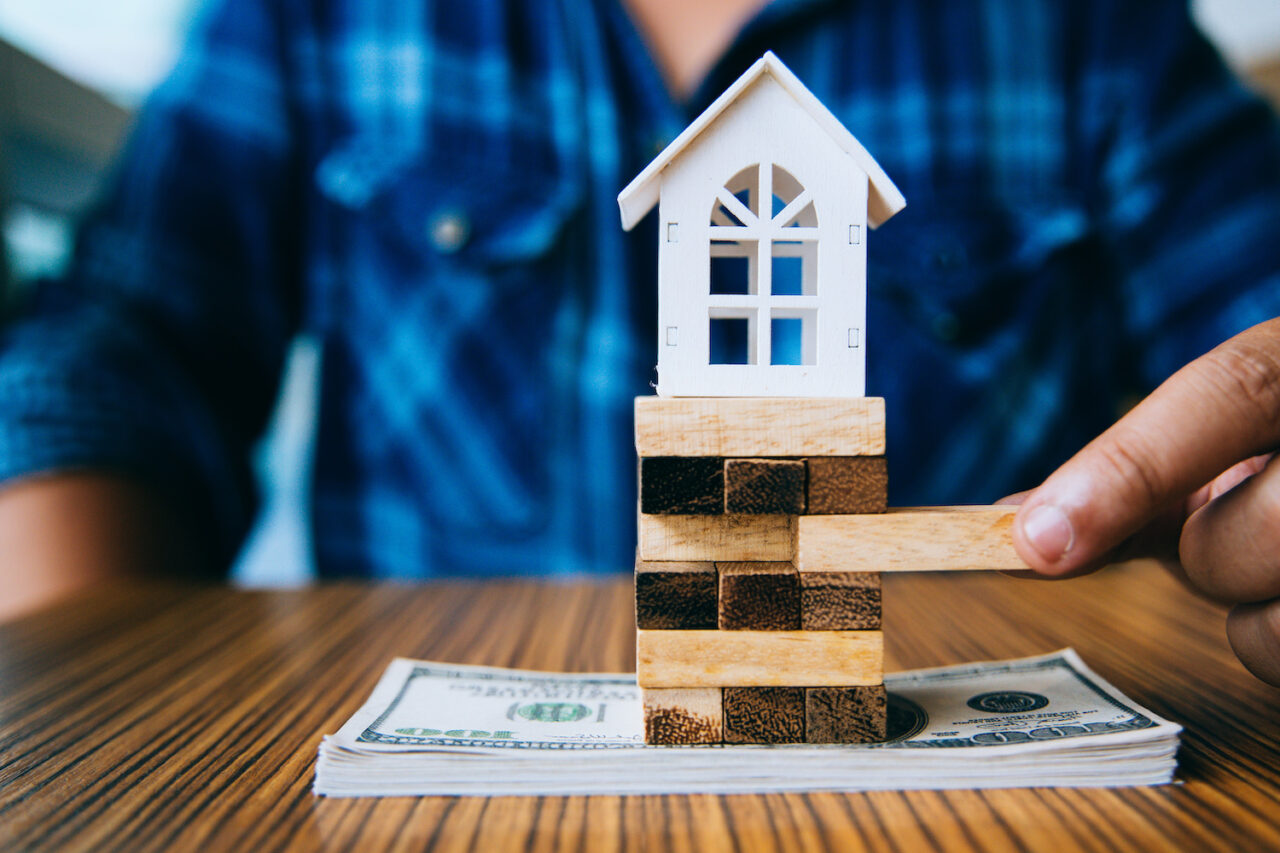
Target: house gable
[884, 200]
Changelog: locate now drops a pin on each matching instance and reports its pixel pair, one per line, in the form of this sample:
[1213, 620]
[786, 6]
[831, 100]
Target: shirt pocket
[451, 206]
[962, 272]
[456, 258]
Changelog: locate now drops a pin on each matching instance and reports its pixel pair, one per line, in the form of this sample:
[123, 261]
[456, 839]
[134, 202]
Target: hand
[1188, 474]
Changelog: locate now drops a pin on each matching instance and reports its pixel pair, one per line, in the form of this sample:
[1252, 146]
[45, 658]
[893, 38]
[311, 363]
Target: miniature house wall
[763, 205]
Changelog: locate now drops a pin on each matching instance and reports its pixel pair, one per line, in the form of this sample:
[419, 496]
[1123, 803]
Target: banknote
[438, 728]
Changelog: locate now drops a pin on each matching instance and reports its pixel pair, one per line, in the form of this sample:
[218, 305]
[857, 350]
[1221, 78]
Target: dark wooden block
[843, 485]
[764, 714]
[682, 485]
[759, 597]
[839, 601]
[764, 486]
[846, 714]
[676, 596]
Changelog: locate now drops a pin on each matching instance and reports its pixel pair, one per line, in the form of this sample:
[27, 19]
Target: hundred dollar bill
[435, 728]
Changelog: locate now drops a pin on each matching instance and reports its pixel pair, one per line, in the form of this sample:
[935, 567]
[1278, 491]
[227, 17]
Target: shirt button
[448, 231]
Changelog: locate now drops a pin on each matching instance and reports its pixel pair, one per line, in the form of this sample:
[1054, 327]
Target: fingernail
[1048, 530]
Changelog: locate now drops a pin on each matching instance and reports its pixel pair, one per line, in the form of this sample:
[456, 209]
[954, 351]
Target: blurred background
[73, 72]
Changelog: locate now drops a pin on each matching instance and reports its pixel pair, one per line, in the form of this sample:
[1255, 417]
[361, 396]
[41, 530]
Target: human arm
[155, 360]
[65, 533]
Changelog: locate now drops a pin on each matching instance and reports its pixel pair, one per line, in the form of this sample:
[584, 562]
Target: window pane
[788, 276]
[733, 267]
[788, 341]
[793, 336]
[731, 340]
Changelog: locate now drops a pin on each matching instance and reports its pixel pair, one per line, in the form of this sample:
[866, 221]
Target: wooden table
[151, 718]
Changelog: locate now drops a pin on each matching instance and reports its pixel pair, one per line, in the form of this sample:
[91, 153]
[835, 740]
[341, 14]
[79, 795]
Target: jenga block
[682, 485]
[759, 426]
[675, 715]
[838, 601]
[842, 485]
[935, 539]
[764, 486]
[762, 538]
[759, 658]
[680, 596]
[764, 715]
[759, 597]
[846, 714]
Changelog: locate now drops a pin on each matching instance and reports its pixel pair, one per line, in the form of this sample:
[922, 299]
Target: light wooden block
[840, 485]
[846, 714]
[839, 601]
[934, 539]
[759, 658]
[719, 538]
[683, 485]
[760, 426]
[680, 596]
[764, 486]
[681, 715]
[759, 597]
[764, 714]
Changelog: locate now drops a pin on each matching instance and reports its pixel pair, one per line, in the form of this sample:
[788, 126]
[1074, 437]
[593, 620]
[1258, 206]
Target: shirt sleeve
[1190, 172]
[159, 354]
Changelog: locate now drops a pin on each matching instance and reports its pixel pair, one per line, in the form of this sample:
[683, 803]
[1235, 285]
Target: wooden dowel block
[839, 601]
[764, 715]
[841, 485]
[759, 658]
[721, 538]
[764, 486]
[759, 426]
[759, 597]
[934, 539]
[846, 714]
[680, 596]
[680, 715]
[689, 485]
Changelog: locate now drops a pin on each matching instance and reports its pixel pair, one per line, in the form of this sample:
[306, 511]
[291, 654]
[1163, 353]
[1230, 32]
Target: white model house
[763, 204]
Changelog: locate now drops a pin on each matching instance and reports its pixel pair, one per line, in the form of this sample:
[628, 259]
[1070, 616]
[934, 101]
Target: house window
[764, 270]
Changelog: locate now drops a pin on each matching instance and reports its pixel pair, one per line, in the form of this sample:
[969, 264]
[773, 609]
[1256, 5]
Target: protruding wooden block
[678, 715]
[838, 601]
[764, 714]
[842, 485]
[846, 714]
[764, 486]
[759, 658]
[933, 539]
[759, 426]
[676, 596]
[754, 538]
[682, 485]
[759, 597]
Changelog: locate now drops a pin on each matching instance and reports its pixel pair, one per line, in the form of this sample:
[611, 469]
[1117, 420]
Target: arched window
[764, 270]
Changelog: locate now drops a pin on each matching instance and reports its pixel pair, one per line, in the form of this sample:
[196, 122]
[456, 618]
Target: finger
[1254, 632]
[1230, 547]
[1220, 409]
[1226, 481]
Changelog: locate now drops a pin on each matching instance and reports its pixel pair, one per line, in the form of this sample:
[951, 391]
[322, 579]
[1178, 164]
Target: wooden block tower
[763, 526]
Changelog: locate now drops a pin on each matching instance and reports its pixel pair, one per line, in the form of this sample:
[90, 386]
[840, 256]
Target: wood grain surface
[147, 718]
[909, 539]
[759, 426]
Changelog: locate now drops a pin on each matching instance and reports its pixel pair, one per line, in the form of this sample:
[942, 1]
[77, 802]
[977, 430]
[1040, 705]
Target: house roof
[884, 199]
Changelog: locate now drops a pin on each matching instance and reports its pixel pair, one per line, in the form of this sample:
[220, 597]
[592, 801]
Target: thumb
[1218, 410]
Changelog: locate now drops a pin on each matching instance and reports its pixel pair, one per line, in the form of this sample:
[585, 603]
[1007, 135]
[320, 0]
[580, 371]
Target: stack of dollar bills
[436, 728]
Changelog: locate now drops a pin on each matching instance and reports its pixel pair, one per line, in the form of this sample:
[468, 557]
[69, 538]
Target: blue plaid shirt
[429, 189]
